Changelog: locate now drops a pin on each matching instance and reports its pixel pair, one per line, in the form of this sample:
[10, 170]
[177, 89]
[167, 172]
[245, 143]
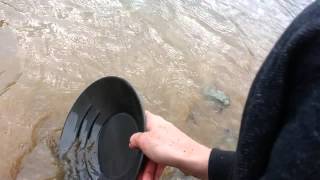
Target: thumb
[136, 140]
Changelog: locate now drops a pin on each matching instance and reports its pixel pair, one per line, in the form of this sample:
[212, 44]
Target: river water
[178, 54]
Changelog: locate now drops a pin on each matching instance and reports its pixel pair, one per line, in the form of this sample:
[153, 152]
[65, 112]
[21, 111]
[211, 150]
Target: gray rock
[218, 96]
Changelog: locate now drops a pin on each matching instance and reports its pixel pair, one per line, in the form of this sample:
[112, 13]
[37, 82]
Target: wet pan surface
[97, 131]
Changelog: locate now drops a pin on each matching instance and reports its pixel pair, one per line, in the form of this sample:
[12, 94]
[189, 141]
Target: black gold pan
[95, 138]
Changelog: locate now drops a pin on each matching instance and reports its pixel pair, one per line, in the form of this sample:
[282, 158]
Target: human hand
[164, 144]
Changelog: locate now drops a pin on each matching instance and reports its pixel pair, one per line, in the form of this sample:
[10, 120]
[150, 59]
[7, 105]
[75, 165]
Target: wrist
[195, 162]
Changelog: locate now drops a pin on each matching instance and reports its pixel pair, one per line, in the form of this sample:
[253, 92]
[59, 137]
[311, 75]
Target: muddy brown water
[170, 50]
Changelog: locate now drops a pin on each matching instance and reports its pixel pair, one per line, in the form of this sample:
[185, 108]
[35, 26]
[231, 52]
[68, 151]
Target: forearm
[195, 161]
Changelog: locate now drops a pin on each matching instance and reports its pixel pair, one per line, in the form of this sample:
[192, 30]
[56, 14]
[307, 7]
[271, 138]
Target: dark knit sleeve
[296, 151]
[220, 164]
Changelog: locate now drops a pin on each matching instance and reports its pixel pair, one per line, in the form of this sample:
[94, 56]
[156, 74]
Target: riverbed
[191, 61]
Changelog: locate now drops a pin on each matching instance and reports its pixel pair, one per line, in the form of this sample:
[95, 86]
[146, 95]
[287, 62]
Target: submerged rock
[3, 22]
[218, 96]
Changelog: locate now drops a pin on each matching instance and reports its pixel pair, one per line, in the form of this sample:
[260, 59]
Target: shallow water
[170, 50]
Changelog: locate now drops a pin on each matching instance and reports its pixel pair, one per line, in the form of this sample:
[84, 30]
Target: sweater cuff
[220, 164]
